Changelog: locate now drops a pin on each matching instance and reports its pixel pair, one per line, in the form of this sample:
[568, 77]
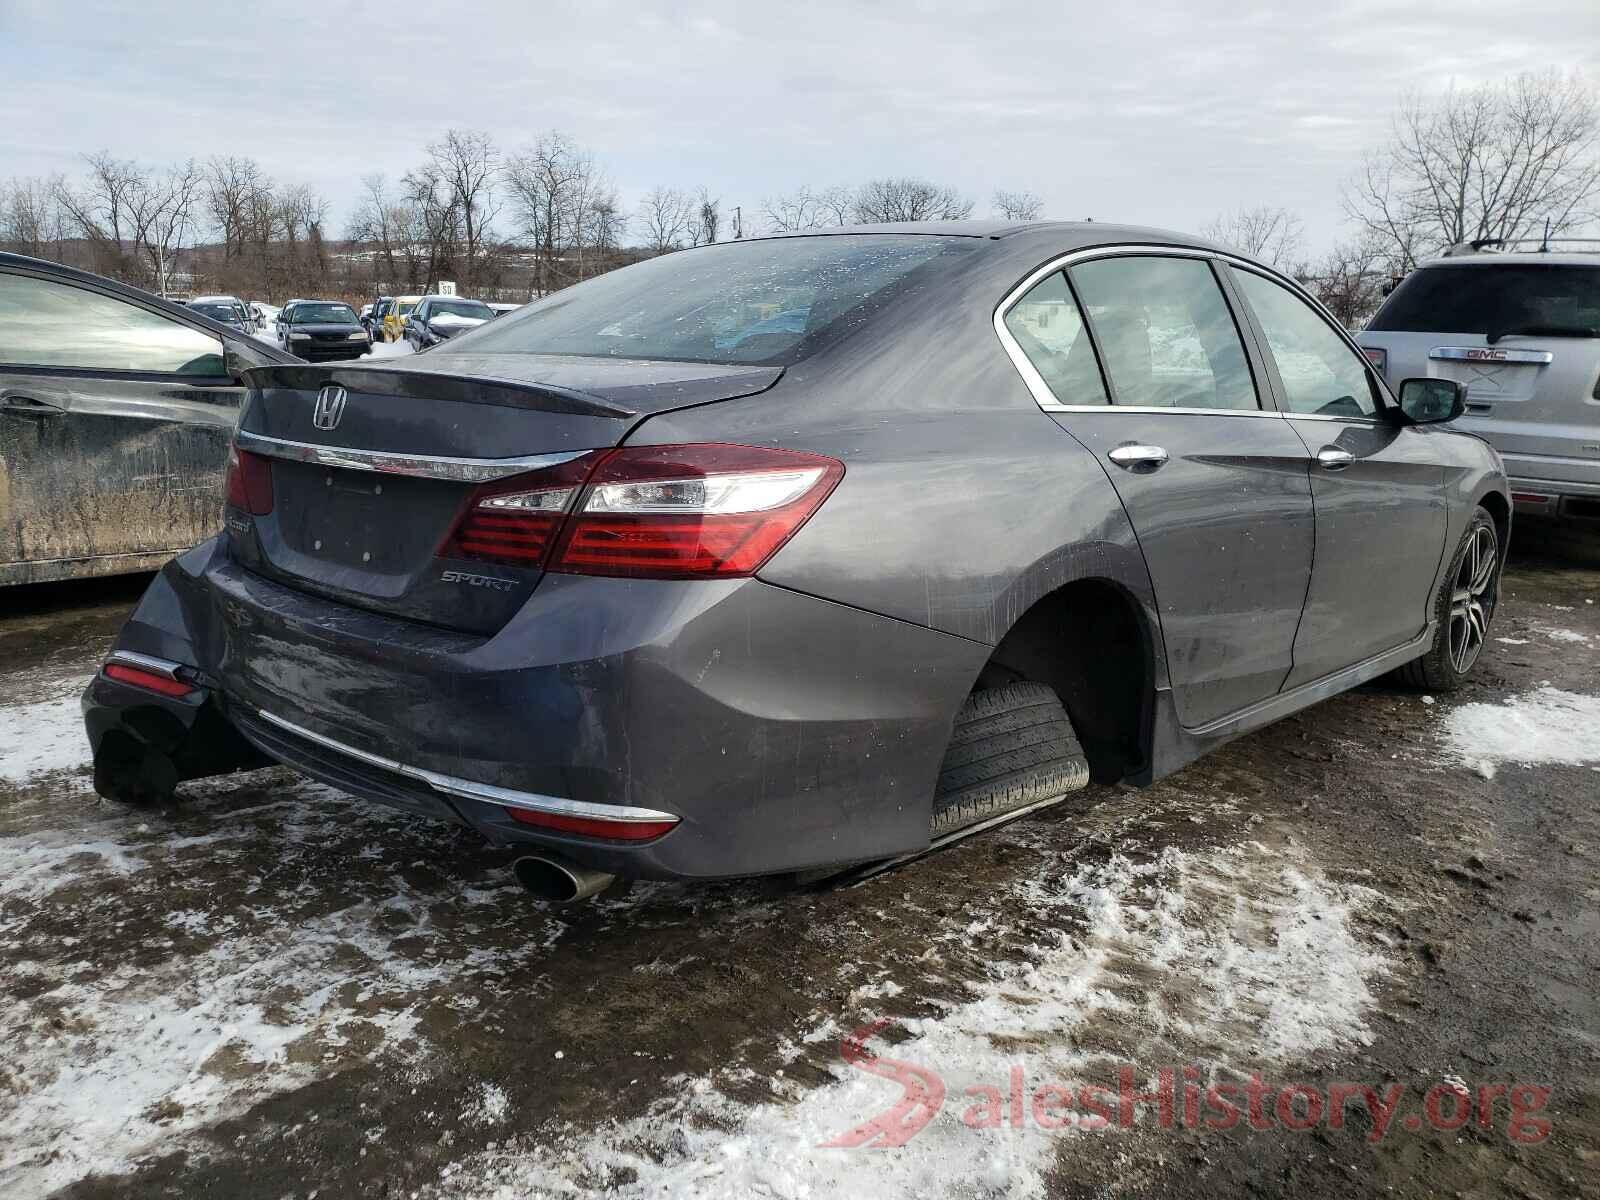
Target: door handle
[1334, 459]
[19, 402]
[1138, 458]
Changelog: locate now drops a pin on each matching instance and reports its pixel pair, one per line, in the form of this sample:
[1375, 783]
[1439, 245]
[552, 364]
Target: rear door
[1214, 485]
[1378, 487]
[114, 424]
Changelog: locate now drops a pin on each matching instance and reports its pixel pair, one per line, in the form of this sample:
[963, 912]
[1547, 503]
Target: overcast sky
[1160, 113]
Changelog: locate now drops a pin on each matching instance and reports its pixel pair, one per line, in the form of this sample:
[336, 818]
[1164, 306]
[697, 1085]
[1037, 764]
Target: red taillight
[705, 511]
[623, 831]
[516, 520]
[249, 482]
[150, 681]
[1377, 356]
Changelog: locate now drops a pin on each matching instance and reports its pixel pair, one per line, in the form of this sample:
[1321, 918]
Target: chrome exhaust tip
[558, 880]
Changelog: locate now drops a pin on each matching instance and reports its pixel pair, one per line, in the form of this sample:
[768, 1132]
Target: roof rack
[1541, 245]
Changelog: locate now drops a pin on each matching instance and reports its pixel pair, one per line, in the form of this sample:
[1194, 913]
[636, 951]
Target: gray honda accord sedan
[812, 550]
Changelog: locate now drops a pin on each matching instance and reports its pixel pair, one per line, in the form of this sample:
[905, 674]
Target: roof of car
[1554, 258]
[215, 300]
[1087, 233]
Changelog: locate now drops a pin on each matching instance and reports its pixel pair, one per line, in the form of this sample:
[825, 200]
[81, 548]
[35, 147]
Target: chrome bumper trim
[488, 793]
[426, 466]
[164, 667]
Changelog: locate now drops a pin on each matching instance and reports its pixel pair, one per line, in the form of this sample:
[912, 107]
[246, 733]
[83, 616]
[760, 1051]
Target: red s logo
[903, 1120]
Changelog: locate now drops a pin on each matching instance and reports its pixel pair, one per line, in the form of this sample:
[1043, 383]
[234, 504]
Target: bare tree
[1274, 235]
[908, 199]
[1501, 161]
[31, 216]
[230, 182]
[797, 210]
[162, 213]
[467, 164]
[667, 218]
[706, 221]
[567, 209]
[1349, 279]
[1017, 206]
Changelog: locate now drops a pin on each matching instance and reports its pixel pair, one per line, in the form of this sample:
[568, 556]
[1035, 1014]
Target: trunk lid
[361, 509]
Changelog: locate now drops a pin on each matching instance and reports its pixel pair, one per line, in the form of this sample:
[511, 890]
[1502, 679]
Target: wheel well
[1087, 640]
[1495, 505]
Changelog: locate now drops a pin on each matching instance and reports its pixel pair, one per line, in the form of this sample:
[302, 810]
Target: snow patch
[44, 735]
[1546, 726]
[1239, 956]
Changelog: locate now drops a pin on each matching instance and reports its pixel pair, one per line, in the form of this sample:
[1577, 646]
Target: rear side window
[1494, 299]
[1049, 330]
[768, 301]
[1166, 335]
[49, 324]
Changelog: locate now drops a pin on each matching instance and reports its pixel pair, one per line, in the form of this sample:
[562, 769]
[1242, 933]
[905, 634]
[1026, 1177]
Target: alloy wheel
[1472, 598]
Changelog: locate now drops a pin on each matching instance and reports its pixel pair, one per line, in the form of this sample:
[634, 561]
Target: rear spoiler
[434, 385]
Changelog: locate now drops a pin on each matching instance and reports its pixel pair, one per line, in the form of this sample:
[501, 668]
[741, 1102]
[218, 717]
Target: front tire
[1464, 610]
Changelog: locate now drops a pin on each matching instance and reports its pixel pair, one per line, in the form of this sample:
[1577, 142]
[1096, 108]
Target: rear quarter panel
[962, 503]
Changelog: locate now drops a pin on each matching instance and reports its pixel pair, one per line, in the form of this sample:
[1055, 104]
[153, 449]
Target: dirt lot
[273, 990]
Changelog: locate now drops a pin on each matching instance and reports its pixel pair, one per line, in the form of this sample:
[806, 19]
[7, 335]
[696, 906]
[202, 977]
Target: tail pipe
[559, 880]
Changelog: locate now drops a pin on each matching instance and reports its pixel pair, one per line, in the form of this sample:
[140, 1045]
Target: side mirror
[1432, 401]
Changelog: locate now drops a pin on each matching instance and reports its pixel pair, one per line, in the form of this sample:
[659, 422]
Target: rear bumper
[784, 731]
[1569, 499]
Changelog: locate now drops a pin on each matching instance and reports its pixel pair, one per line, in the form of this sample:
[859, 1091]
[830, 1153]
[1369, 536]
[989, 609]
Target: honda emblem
[329, 407]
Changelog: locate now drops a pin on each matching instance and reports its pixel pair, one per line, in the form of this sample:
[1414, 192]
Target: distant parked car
[395, 317]
[1522, 333]
[438, 318]
[229, 312]
[1015, 504]
[372, 317]
[318, 330]
[115, 413]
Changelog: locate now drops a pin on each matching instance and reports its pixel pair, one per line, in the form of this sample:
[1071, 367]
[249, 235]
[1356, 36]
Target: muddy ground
[272, 990]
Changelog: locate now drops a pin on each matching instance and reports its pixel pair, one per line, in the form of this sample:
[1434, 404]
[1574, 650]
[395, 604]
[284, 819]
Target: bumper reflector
[150, 681]
[597, 827]
[1530, 498]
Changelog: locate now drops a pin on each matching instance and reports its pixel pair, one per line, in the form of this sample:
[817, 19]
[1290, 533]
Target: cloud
[1162, 113]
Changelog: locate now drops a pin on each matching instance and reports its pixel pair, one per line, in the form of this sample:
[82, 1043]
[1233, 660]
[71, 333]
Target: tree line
[1507, 160]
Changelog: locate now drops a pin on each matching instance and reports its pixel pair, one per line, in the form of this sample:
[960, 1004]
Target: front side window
[1166, 336]
[1322, 375]
[767, 301]
[48, 324]
[1049, 330]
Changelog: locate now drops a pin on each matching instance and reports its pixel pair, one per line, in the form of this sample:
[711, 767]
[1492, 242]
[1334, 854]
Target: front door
[1378, 489]
[1215, 486]
[114, 428]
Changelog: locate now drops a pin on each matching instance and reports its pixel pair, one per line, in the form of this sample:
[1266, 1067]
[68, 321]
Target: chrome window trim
[424, 466]
[485, 792]
[1036, 385]
[164, 667]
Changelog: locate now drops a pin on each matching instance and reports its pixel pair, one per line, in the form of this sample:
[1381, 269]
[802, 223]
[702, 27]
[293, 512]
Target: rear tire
[1464, 610]
[1011, 747]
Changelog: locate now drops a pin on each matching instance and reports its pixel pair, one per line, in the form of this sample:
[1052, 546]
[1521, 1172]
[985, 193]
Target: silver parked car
[1522, 332]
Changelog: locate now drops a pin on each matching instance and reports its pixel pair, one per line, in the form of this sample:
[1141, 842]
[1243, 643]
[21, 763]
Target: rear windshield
[1494, 299]
[217, 312]
[766, 301]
